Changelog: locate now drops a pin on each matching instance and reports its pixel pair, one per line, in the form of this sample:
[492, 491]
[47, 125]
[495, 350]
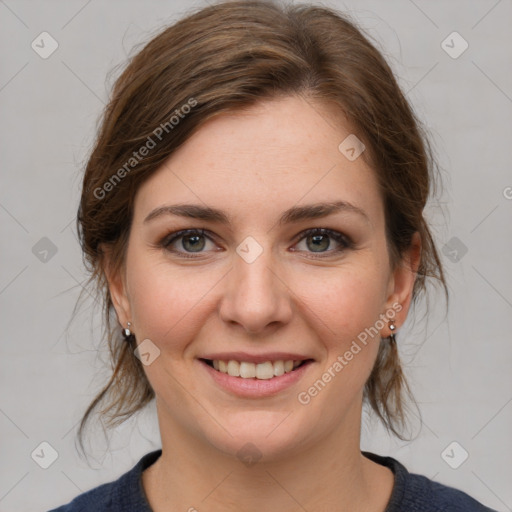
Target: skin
[279, 154]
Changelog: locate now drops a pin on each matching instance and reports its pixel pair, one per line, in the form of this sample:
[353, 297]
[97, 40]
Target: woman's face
[257, 282]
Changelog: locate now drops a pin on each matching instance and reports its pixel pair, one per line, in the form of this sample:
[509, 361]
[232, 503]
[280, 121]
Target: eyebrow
[292, 215]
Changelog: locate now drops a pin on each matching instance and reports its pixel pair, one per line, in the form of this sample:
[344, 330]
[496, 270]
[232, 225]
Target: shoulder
[425, 494]
[124, 494]
[417, 493]
[100, 498]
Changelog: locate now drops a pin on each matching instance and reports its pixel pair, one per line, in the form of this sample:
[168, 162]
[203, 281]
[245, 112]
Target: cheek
[345, 317]
[346, 301]
[166, 301]
[346, 309]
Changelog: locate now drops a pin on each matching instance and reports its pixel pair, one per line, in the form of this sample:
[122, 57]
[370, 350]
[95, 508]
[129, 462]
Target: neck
[330, 474]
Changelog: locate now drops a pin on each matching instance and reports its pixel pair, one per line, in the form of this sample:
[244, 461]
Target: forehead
[274, 155]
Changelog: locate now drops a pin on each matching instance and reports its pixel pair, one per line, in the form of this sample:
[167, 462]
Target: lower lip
[256, 388]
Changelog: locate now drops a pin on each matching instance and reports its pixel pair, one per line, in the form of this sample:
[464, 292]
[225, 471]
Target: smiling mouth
[260, 371]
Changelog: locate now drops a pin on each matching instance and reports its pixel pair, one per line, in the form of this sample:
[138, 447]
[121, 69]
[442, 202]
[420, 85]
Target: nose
[256, 297]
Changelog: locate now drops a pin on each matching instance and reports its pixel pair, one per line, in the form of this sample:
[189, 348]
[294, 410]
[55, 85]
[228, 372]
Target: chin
[261, 436]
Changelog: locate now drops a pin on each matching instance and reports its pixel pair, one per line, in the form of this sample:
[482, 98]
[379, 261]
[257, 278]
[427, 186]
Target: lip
[255, 358]
[255, 388]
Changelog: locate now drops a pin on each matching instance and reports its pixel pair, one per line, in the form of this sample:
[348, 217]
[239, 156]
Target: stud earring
[127, 333]
[392, 328]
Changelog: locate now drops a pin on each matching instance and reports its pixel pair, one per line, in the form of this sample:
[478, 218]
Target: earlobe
[403, 279]
[115, 277]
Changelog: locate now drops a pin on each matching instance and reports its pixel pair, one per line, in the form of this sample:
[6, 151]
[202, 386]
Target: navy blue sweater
[411, 492]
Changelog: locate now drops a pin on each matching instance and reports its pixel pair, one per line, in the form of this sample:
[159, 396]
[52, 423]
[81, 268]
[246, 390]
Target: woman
[253, 213]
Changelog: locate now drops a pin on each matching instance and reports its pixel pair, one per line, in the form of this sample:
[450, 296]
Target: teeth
[234, 368]
[278, 368]
[247, 370]
[262, 371]
[265, 370]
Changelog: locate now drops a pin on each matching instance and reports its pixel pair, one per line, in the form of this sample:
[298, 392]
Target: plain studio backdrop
[453, 60]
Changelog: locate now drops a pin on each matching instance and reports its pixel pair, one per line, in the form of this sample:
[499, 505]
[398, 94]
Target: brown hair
[226, 57]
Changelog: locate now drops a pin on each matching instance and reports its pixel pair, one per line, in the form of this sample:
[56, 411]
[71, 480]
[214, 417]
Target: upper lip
[255, 358]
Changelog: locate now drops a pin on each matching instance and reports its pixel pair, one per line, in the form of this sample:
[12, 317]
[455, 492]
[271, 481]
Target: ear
[116, 280]
[402, 281]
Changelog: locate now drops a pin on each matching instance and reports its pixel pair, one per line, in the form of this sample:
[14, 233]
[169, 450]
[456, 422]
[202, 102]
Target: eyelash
[344, 241]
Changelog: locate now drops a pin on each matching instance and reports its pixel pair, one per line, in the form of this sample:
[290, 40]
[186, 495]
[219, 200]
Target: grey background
[458, 364]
